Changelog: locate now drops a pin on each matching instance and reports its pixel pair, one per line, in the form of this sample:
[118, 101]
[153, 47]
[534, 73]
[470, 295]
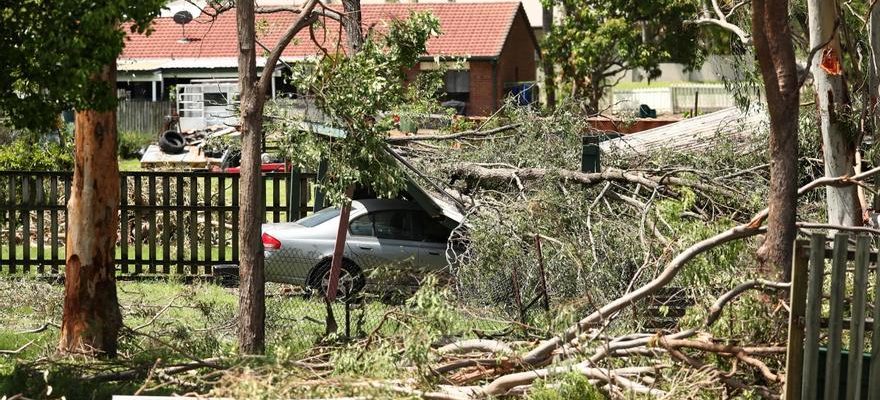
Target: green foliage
[132, 142]
[571, 386]
[356, 93]
[51, 50]
[25, 154]
[592, 44]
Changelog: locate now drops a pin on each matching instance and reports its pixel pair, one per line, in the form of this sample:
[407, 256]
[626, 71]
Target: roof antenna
[183, 17]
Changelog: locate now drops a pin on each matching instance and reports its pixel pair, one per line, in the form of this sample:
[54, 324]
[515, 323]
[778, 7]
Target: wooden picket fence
[170, 222]
[142, 116]
[846, 309]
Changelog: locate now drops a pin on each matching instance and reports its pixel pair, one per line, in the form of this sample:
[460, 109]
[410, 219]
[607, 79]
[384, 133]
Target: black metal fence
[170, 222]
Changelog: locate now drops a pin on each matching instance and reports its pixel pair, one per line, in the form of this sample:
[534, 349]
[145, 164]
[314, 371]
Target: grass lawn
[175, 322]
[129, 164]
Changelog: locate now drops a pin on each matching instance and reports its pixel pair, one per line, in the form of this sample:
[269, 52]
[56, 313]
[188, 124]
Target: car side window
[393, 225]
[431, 229]
[361, 226]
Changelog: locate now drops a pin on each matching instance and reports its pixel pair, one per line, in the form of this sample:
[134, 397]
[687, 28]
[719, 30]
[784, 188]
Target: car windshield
[319, 217]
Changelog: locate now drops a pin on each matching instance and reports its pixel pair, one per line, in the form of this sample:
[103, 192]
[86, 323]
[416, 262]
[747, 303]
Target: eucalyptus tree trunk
[252, 299]
[775, 52]
[354, 42]
[873, 119]
[91, 319]
[874, 72]
[833, 103]
[352, 25]
[547, 62]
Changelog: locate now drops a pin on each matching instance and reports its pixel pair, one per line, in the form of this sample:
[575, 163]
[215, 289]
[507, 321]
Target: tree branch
[305, 19]
[743, 36]
[457, 135]
[477, 172]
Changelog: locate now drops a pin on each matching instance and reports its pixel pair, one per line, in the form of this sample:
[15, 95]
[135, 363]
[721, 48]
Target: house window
[458, 81]
[458, 88]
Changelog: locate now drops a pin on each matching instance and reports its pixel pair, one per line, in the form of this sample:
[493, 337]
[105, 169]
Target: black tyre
[351, 279]
[226, 275]
[171, 142]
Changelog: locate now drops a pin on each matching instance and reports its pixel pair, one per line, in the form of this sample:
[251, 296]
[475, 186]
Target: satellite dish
[182, 18]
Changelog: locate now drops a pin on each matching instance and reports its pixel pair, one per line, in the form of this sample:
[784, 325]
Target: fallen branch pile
[551, 356]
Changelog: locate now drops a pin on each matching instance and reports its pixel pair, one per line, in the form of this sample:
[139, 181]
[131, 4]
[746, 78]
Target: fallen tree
[566, 344]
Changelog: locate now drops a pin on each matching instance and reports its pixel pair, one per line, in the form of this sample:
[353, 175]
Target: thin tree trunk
[832, 100]
[352, 24]
[354, 42]
[773, 45]
[91, 318]
[874, 84]
[252, 306]
[547, 62]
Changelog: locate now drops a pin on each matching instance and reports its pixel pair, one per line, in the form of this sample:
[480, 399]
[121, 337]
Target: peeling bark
[833, 106]
[91, 317]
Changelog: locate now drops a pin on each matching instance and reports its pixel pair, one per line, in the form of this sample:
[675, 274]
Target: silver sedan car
[390, 242]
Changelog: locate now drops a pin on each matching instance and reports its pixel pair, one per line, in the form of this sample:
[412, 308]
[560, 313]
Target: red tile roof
[468, 30]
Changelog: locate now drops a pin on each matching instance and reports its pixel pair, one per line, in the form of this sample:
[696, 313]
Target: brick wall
[516, 64]
[487, 77]
[482, 98]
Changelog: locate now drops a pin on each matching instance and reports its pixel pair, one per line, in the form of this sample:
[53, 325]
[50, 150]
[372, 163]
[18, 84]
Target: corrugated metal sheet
[154, 64]
[693, 133]
[140, 64]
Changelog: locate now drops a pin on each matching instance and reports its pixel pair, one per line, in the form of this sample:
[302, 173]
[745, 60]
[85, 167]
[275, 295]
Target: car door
[434, 237]
[383, 244]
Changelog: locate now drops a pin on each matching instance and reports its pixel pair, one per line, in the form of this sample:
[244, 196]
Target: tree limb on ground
[540, 354]
[476, 345]
[474, 173]
[457, 135]
[18, 350]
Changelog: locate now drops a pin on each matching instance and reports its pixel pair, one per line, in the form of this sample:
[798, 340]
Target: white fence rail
[673, 99]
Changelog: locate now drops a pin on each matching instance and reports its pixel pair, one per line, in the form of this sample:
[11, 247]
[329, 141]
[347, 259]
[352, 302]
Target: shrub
[25, 155]
[130, 143]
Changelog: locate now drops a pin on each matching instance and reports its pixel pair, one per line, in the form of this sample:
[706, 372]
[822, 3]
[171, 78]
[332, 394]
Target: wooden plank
[192, 157]
[124, 234]
[181, 202]
[874, 372]
[319, 194]
[193, 225]
[26, 223]
[276, 198]
[857, 331]
[293, 198]
[151, 240]
[795, 353]
[53, 222]
[166, 225]
[835, 324]
[39, 198]
[810, 371]
[12, 226]
[221, 218]
[138, 226]
[235, 216]
[208, 228]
